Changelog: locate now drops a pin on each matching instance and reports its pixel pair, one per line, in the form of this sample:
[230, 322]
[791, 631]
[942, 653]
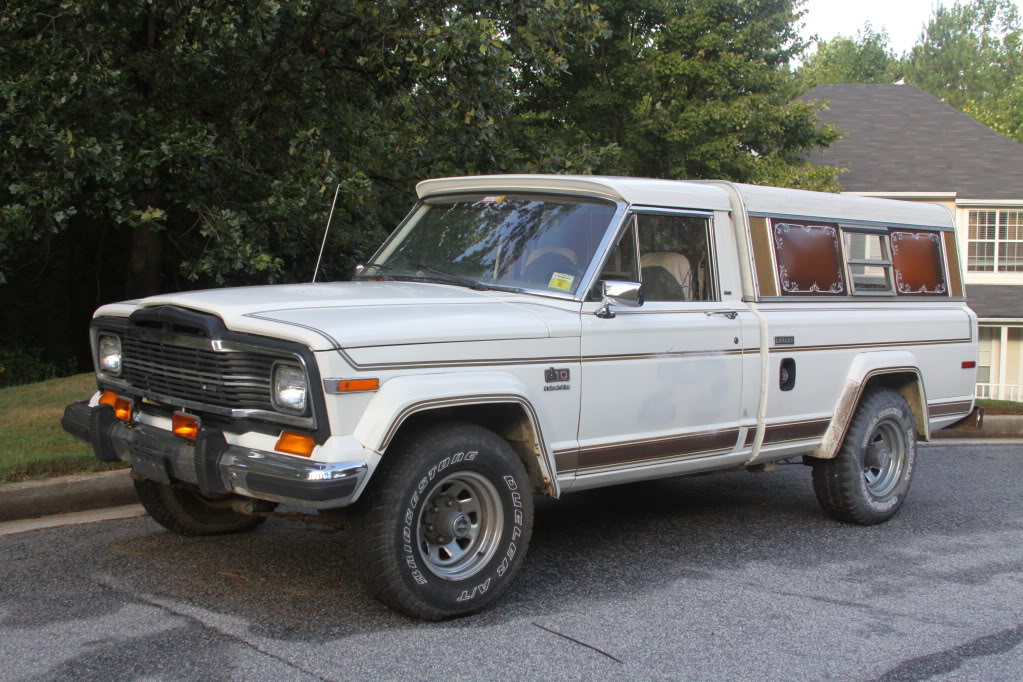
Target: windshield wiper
[452, 277]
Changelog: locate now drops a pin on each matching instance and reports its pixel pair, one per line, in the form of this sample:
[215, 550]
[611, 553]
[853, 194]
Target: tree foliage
[223, 127]
[155, 146]
[691, 89]
[971, 56]
[867, 58]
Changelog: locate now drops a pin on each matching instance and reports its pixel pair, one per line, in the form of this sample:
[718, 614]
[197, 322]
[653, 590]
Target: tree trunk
[145, 260]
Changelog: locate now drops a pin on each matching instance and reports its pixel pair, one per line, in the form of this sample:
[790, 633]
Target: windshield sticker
[493, 199]
[561, 281]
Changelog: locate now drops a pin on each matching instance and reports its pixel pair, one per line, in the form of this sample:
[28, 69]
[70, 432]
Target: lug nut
[450, 503]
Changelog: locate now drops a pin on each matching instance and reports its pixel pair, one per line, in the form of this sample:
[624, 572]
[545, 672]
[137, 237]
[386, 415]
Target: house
[903, 143]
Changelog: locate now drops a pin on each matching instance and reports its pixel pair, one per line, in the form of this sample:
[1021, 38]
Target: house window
[986, 353]
[995, 241]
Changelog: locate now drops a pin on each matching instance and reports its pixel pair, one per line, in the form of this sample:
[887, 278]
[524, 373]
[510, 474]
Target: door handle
[730, 314]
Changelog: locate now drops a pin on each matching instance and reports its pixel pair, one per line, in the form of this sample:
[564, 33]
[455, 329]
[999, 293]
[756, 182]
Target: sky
[903, 19]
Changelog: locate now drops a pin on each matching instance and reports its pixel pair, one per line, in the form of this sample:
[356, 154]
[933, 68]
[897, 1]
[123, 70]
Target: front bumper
[212, 464]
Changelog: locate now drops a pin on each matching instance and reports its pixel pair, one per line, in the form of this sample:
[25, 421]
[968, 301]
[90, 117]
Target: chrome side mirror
[628, 294]
[358, 269]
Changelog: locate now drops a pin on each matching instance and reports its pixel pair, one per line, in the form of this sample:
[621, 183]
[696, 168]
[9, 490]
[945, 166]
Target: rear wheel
[445, 526]
[187, 512]
[869, 478]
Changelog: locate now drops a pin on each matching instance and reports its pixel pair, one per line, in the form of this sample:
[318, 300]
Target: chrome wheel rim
[884, 458]
[460, 525]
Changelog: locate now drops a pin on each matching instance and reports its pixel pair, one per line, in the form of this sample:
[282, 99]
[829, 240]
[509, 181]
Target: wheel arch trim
[402, 397]
[865, 368]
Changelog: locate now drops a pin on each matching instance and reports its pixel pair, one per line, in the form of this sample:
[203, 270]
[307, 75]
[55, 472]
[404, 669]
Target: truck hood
[358, 314]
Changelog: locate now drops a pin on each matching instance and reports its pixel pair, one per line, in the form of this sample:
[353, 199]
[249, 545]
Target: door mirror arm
[615, 292]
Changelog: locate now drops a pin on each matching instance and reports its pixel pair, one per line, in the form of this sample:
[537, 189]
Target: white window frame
[1001, 218]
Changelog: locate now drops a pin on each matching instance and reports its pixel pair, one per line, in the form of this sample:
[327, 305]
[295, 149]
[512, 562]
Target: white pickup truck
[526, 335]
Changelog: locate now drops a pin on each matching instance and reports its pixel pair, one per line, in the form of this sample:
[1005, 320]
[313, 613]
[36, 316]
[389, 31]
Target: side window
[809, 258]
[869, 257]
[675, 258]
[919, 266]
[621, 264]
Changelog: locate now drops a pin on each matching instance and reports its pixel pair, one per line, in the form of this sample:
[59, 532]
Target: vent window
[868, 256]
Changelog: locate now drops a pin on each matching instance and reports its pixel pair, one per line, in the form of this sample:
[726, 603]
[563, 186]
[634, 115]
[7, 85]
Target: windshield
[526, 241]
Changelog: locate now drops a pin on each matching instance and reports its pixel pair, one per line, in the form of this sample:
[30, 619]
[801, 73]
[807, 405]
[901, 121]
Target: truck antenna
[326, 231]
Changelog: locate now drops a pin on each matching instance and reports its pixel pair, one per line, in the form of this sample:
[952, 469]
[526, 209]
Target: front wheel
[187, 512]
[445, 525]
[869, 478]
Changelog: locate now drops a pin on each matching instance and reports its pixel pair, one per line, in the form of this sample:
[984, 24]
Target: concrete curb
[974, 442]
[994, 426]
[66, 494]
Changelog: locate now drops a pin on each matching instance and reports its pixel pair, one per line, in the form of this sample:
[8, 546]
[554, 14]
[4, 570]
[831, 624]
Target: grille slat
[236, 379]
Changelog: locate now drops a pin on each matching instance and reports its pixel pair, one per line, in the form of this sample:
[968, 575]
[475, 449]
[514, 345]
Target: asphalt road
[723, 577]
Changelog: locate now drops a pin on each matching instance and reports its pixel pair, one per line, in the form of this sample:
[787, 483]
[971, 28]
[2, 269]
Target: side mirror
[358, 269]
[627, 294]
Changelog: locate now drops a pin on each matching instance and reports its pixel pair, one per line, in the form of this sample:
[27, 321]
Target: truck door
[661, 382]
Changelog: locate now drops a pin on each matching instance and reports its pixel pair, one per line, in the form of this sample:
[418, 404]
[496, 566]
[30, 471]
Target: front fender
[401, 397]
[865, 366]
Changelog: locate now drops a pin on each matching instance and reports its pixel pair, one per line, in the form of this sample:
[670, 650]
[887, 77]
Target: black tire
[185, 512]
[401, 521]
[860, 485]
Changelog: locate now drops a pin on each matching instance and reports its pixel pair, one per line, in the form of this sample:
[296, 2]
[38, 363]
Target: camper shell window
[919, 265]
[808, 257]
[814, 258]
[868, 257]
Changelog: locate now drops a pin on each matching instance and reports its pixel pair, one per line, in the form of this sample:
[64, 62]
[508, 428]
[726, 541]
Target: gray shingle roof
[995, 300]
[902, 139]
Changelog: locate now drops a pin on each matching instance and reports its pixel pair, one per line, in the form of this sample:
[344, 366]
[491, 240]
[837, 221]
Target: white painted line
[128, 511]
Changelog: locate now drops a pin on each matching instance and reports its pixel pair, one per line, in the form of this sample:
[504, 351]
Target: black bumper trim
[77, 421]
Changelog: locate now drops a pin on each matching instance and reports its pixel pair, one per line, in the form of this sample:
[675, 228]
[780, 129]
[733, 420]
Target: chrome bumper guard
[212, 464]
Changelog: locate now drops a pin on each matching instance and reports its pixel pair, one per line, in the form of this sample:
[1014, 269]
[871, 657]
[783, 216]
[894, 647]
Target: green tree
[690, 89]
[160, 146]
[151, 146]
[212, 133]
[971, 56]
[867, 58]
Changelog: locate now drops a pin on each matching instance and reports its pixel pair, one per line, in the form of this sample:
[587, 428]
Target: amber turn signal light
[356, 385]
[123, 407]
[295, 444]
[185, 425]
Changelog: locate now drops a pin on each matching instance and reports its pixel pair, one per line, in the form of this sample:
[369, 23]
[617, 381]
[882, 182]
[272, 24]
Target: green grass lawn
[994, 407]
[33, 445]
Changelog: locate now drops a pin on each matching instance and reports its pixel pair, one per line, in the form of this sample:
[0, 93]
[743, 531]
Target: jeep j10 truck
[525, 335]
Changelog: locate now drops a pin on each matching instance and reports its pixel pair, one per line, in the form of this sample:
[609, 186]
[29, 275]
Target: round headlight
[109, 353]
[290, 388]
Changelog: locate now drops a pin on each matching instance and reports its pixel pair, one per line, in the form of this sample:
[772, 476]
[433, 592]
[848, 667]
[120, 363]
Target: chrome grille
[235, 380]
